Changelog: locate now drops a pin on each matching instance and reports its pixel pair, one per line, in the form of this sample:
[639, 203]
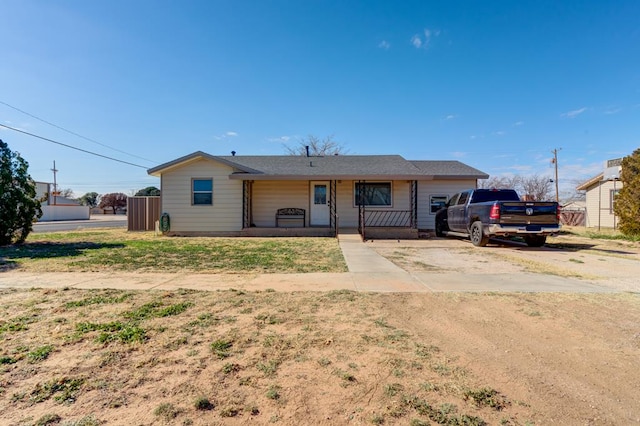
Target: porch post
[246, 204]
[361, 212]
[333, 216]
[414, 204]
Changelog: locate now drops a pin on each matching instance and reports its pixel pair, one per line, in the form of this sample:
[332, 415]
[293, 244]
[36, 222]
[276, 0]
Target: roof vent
[307, 148]
[233, 153]
[310, 163]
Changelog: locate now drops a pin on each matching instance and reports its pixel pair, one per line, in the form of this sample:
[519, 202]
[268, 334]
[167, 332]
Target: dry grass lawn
[92, 250]
[81, 357]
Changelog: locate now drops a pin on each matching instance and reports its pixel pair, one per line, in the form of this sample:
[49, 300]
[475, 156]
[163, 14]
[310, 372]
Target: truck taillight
[495, 212]
[558, 212]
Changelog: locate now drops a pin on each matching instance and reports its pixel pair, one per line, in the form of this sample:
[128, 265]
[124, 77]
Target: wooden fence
[142, 213]
[573, 217]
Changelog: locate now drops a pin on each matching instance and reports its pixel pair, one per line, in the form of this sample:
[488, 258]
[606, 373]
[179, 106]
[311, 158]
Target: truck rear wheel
[535, 240]
[477, 235]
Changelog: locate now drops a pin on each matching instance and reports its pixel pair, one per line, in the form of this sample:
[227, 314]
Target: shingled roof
[348, 167]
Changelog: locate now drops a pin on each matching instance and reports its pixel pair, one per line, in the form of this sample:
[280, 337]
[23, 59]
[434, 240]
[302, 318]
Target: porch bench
[290, 213]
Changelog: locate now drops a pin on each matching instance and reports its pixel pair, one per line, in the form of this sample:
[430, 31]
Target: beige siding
[348, 211]
[599, 213]
[426, 219]
[224, 215]
[269, 196]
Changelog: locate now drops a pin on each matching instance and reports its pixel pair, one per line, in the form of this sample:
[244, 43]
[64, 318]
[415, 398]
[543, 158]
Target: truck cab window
[453, 200]
[463, 198]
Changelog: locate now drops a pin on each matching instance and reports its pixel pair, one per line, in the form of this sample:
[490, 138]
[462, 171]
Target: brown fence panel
[573, 217]
[142, 213]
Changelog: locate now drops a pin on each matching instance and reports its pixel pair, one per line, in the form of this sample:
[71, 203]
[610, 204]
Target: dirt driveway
[613, 264]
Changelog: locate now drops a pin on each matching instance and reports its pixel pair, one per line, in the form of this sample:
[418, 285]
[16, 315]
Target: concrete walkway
[371, 272]
[368, 272]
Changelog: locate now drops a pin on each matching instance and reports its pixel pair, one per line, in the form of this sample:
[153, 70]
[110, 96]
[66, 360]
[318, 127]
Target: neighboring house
[382, 195]
[601, 191]
[57, 207]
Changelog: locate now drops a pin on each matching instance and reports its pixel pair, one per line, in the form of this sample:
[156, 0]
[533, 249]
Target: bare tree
[317, 146]
[533, 187]
[66, 193]
[572, 194]
[501, 182]
[537, 188]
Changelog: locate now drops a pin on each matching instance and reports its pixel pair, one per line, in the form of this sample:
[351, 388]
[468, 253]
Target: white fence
[51, 213]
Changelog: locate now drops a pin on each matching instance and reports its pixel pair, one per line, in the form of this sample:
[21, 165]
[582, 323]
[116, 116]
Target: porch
[375, 209]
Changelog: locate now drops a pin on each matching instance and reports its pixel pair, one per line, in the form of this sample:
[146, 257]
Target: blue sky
[497, 85]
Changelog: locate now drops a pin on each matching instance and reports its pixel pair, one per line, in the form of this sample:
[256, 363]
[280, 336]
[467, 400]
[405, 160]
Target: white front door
[319, 204]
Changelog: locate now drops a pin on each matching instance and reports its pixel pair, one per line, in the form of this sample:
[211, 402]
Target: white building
[601, 191]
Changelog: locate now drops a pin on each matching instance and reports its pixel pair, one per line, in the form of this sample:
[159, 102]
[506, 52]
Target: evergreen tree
[18, 205]
[627, 203]
[149, 191]
[89, 199]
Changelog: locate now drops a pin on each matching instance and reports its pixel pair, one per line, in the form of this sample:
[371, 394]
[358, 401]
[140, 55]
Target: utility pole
[555, 163]
[55, 185]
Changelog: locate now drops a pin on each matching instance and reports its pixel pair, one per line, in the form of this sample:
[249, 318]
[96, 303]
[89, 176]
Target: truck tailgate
[528, 213]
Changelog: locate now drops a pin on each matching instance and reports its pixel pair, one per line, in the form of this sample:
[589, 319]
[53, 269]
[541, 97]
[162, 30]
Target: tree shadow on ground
[575, 247]
[571, 247]
[46, 250]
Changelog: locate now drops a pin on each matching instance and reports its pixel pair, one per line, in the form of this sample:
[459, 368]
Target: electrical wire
[72, 147]
[74, 133]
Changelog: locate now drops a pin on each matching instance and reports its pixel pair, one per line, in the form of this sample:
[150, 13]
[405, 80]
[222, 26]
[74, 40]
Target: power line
[72, 147]
[74, 133]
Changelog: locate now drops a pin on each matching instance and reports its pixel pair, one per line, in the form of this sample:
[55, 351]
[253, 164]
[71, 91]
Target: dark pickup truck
[485, 213]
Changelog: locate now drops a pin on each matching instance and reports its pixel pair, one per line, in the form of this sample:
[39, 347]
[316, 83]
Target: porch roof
[584, 186]
[347, 167]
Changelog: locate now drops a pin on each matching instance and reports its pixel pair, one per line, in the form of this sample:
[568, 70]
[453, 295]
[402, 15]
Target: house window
[436, 202]
[613, 194]
[373, 194]
[202, 192]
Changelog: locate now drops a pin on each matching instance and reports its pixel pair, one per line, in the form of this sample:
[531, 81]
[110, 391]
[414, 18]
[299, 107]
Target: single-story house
[600, 198]
[382, 195]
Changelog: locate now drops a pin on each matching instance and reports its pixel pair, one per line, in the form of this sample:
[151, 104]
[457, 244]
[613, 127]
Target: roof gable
[195, 156]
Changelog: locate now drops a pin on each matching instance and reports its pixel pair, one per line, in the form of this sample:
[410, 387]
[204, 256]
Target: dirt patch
[235, 357]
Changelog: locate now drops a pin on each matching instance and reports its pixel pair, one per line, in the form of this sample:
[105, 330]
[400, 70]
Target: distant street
[96, 221]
